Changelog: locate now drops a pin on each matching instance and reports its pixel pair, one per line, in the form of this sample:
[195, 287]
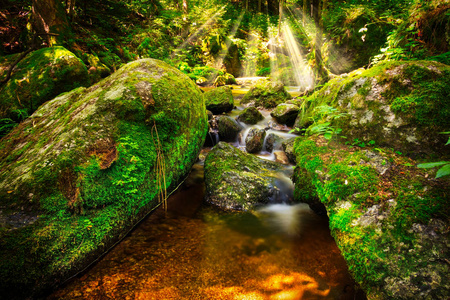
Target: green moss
[219, 100]
[40, 76]
[250, 115]
[236, 180]
[266, 95]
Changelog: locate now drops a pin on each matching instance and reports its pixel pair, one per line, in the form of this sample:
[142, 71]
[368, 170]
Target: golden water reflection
[196, 252]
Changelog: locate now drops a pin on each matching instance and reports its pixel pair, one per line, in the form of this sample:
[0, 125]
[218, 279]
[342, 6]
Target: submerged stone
[219, 100]
[236, 180]
[88, 165]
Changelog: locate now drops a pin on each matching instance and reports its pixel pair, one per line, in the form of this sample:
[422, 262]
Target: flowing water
[194, 251]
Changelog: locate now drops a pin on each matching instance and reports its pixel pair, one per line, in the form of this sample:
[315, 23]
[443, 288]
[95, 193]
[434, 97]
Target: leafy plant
[328, 113]
[444, 169]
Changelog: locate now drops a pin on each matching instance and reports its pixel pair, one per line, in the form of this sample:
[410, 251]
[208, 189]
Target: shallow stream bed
[193, 251]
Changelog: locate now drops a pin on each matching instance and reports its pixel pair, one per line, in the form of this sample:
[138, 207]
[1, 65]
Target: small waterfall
[291, 220]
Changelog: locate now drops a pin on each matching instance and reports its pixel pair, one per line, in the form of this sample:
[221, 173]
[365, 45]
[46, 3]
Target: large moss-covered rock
[266, 94]
[285, 113]
[236, 180]
[403, 105]
[39, 77]
[87, 165]
[219, 100]
[389, 218]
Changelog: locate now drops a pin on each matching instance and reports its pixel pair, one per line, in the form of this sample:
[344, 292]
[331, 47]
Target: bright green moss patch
[388, 218]
[219, 100]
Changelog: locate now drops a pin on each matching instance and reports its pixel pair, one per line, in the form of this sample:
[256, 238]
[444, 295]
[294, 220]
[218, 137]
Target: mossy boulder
[266, 94]
[40, 76]
[228, 128]
[88, 165]
[236, 180]
[250, 115]
[403, 105]
[389, 218]
[254, 140]
[224, 79]
[285, 113]
[219, 100]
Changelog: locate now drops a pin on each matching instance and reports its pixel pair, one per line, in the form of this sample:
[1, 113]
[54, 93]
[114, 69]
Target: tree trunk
[71, 8]
[320, 70]
[280, 11]
[305, 11]
[49, 20]
[259, 6]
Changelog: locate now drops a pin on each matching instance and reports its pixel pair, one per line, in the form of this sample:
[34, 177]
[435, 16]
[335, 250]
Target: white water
[287, 219]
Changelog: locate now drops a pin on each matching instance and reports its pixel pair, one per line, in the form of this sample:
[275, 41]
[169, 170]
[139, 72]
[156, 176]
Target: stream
[195, 251]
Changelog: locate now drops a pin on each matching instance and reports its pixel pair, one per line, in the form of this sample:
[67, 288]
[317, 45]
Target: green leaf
[433, 164]
[328, 135]
[444, 171]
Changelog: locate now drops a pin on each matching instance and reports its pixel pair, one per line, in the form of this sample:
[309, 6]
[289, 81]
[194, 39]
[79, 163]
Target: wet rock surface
[228, 128]
[255, 140]
[285, 113]
[219, 100]
[236, 180]
[250, 115]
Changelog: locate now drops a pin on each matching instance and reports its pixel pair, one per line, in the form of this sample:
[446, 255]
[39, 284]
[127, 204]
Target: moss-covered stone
[285, 113]
[87, 165]
[255, 140]
[288, 148]
[403, 105]
[266, 94]
[250, 115]
[219, 100]
[224, 79]
[39, 77]
[228, 128]
[389, 218]
[236, 180]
